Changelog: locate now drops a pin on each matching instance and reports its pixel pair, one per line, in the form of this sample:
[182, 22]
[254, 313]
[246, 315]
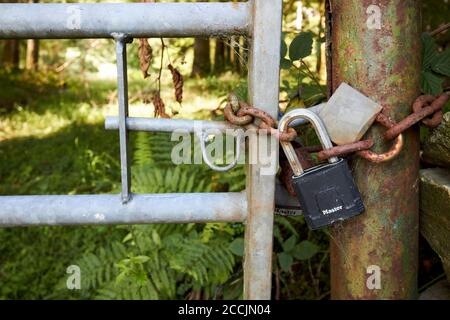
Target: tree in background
[219, 56]
[202, 62]
[32, 59]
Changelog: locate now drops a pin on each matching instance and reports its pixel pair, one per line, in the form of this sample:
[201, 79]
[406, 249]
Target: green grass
[53, 141]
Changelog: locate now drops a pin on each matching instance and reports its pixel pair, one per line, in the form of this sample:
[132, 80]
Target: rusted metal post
[264, 75]
[376, 49]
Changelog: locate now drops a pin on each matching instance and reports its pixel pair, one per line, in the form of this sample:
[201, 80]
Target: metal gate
[260, 20]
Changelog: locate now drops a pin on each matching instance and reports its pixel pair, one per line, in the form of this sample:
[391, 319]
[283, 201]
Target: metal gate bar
[108, 209]
[260, 20]
[137, 20]
[168, 125]
[264, 77]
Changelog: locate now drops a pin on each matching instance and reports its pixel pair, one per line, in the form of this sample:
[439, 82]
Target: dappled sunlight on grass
[57, 144]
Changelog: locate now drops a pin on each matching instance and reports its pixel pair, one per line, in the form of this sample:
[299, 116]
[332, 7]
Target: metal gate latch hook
[203, 137]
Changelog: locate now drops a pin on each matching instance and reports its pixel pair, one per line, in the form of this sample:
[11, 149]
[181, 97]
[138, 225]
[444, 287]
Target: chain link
[241, 114]
[426, 108]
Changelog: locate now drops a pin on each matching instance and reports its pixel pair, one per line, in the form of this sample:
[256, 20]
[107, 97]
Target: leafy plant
[166, 261]
[301, 94]
[435, 66]
[159, 262]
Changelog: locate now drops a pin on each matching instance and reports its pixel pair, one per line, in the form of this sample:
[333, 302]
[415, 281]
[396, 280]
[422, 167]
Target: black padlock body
[328, 194]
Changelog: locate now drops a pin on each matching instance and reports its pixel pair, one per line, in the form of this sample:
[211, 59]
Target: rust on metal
[423, 107]
[437, 117]
[395, 149]
[258, 114]
[286, 173]
[345, 149]
[372, 46]
[241, 113]
[386, 156]
[384, 120]
[234, 119]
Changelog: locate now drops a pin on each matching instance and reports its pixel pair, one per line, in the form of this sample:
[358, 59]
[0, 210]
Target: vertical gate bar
[122, 81]
[264, 72]
[376, 49]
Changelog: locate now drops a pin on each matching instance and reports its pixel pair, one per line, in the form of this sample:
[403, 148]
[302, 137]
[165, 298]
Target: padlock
[348, 114]
[285, 203]
[327, 193]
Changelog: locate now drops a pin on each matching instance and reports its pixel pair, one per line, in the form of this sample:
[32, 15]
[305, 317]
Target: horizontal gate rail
[168, 125]
[108, 209]
[138, 20]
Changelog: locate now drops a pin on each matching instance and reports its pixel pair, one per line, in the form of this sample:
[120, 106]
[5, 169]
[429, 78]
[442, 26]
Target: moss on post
[376, 49]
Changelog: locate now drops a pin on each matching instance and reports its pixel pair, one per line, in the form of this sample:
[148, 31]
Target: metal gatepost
[260, 20]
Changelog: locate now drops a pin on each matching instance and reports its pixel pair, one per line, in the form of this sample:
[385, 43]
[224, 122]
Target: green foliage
[291, 247]
[305, 90]
[301, 257]
[435, 66]
[237, 246]
[301, 46]
[19, 88]
[165, 261]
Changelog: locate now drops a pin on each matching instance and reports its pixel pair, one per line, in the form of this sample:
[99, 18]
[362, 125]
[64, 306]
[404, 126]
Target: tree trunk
[202, 62]
[219, 57]
[32, 58]
[235, 54]
[11, 48]
[227, 55]
[11, 54]
[32, 55]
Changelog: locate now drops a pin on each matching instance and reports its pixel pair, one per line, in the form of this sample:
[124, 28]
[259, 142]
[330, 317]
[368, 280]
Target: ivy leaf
[442, 64]
[285, 64]
[285, 261]
[305, 250]
[432, 83]
[429, 51]
[237, 247]
[301, 46]
[289, 244]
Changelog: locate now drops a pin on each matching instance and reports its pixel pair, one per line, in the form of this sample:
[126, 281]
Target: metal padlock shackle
[320, 129]
[202, 136]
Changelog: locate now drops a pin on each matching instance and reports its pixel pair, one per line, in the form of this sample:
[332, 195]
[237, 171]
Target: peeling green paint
[385, 65]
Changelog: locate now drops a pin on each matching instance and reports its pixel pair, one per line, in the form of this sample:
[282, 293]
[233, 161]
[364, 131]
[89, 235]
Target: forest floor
[57, 144]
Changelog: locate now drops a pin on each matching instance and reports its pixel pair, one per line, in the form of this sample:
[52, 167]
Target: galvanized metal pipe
[137, 20]
[264, 77]
[122, 89]
[168, 125]
[376, 49]
[109, 209]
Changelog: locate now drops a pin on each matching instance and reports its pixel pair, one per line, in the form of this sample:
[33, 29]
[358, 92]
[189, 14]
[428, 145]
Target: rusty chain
[241, 114]
[426, 108]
